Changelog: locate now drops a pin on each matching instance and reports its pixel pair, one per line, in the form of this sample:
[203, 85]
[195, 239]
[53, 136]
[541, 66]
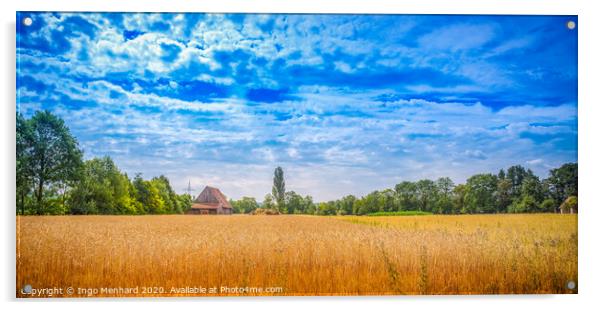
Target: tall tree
[346, 206]
[101, 189]
[459, 199]
[445, 188]
[24, 171]
[55, 157]
[563, 182]
[169, 197]
[278, 189]
[293, 202]
[147, 194]
[427, 194]
[516, 175]
[406, 196]
[480, 195]
[503, 194]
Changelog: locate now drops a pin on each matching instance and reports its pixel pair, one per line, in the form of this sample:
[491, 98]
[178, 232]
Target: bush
[548, 205]
[263, 211]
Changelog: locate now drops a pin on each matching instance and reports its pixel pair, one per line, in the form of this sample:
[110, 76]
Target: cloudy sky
[346, 104]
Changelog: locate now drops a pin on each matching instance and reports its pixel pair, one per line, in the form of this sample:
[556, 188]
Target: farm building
[210, 201]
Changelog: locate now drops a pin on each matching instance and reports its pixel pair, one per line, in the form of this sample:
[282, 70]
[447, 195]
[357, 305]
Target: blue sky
[346, 104]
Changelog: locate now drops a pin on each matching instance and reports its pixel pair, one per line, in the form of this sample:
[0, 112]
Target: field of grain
[178, 255]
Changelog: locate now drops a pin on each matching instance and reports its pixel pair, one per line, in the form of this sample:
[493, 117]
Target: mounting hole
[27, 21]
[571, 25]
[571, 285]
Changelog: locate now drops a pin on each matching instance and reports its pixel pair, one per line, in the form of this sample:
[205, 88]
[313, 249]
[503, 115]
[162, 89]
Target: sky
[345, 104]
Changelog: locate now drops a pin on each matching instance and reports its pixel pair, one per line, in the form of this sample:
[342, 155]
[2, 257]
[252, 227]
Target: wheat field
[180, 255]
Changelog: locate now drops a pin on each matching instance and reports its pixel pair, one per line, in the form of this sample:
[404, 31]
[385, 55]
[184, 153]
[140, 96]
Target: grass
[400, 213]
[303, 255]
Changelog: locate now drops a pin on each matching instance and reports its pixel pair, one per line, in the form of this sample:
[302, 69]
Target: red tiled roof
[215, 198]
[204, 206]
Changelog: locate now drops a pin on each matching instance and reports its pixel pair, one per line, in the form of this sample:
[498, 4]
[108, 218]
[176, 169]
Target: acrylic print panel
[284, 154]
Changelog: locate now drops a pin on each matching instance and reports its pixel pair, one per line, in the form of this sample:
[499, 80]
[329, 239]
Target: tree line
[53, 178]
[514, 190]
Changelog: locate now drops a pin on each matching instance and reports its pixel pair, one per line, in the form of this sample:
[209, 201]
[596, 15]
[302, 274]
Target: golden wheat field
[179, 255]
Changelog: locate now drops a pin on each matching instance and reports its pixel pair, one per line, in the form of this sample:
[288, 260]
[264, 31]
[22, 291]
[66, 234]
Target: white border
[589, 27]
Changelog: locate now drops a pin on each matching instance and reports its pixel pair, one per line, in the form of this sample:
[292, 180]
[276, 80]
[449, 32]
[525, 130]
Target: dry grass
[304, 255]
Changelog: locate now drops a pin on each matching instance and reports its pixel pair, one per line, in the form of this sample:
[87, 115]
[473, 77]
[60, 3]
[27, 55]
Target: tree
[459, 199]
[55, 157]
[278, 189]
[167, 194]
[526, 204]
[444, 204]
[101, 189]
[503, 194]
[346, 205]
[326, 208]
[427, 195]
[516, 175]
[293, 202]
[371, 203]
[24, 171]
[184, 202]
[268, 202]
[147, 194]
[244, 205]
[563, 182]
[387, 201]
[532, 187]
[480, 195]
[548, 205]
[406, 196]
[308, 205]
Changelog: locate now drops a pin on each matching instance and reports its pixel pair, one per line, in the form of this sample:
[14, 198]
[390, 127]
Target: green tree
[563, 182]
[427, 195]
[532, 186]
[480, 195]
[459, 199]
[444, 204]
[268, 202]
[184, 202]
[24, 171]
[503, 194]
[278, 189]
[167, 194]
[371, 204]
[308, 205]
[548, 205]
[346, 206]
[525, 204]
[101, 189]
[516, 175]
[387, 201]
[147, 194]
[326, 208]
[407, 196]
[293, 202]
[55, 158]
[244, 205]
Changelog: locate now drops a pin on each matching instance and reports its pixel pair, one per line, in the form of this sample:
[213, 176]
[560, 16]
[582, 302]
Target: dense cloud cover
[345, 103]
